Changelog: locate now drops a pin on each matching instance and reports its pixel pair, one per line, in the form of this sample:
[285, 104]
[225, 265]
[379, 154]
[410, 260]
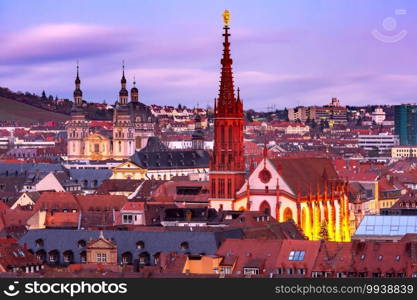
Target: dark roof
[158, 156]
[28, 168]
[91, 176]
[154, 241]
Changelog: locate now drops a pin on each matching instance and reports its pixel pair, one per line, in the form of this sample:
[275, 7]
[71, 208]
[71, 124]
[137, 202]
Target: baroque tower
[123, 127]
[227, 164]
[77, 128]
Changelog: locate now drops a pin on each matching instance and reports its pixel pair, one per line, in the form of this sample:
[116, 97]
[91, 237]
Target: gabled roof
[56, 201]
[262, 253]
[100, 202]
[333, 256]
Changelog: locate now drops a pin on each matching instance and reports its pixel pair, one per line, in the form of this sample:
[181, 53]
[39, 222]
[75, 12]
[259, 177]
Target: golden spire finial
[226, 17]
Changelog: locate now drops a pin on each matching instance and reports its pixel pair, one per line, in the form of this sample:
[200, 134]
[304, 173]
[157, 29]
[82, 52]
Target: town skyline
[151, 191]
[284, 60]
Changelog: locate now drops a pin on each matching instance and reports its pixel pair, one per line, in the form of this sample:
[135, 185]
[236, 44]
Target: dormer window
[39, 243]
[184, 246]
[296, 255]
[140, 245]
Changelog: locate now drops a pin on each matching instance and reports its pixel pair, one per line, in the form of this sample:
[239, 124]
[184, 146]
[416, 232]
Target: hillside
[11, 110]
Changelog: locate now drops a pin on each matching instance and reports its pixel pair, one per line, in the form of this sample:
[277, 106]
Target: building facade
[383, 142]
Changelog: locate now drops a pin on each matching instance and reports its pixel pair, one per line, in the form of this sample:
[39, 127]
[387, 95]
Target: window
[397, 258]
[229, 188]
[53, 257]
[81, 244]
[301, 271]
[140, 245]
[296, 255]
[290, 271]
[101, 257]
[184, 246]
[39, 243]
[380, 257]
[213, 188]
[250, 271]
[127, 219]
[221, 188]
[83, 257]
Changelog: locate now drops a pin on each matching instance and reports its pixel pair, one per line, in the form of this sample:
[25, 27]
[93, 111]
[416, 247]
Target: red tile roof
[101, 202]
[58, 201]
[62, 219]
[303, 173]
[249, 250]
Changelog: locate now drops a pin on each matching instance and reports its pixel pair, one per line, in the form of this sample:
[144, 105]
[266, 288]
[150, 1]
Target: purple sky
[286, 53]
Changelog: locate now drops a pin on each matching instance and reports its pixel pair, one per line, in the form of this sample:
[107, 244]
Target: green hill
[11, 110]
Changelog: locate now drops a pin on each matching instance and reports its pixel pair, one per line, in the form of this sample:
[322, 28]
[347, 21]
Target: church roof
[305, 173]
[154, 145]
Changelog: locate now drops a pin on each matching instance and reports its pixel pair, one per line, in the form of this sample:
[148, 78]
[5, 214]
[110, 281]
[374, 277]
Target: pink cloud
[62, 41]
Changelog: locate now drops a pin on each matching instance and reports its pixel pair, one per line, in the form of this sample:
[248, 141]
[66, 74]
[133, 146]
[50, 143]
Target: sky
[285, 53]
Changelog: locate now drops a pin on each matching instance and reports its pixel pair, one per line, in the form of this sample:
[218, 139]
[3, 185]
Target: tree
[43, 95]
[324, 234]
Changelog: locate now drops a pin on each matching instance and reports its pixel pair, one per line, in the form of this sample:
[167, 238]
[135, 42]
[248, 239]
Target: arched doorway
[265, 207]
[288, 214]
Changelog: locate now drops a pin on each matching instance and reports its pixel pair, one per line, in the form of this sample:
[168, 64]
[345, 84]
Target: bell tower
[227, 163]
[77, 128]
[123, 145]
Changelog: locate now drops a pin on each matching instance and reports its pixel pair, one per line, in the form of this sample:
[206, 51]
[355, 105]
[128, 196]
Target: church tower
[77, 128]
[123, 127]
[123, 94]
[197, 140]
[227, 164]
